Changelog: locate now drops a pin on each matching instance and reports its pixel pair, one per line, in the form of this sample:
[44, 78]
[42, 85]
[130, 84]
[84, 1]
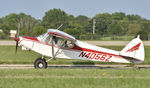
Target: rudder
[135, 50]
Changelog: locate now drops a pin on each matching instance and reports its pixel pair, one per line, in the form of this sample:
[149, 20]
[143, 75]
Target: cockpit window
[40, 37]
[47, 39]
[59, 41]
[43, 35]
[62, 42]
[69, 44]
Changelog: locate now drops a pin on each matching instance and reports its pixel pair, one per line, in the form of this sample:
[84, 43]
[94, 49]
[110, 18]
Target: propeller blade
[16, 47]
[17, 38]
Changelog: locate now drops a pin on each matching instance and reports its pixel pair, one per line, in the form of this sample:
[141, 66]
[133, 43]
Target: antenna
[60, 26]
[138, 36]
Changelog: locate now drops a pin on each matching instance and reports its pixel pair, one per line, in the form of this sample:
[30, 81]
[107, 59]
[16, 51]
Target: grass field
[68, 78]
[74, 78]
[8, 56]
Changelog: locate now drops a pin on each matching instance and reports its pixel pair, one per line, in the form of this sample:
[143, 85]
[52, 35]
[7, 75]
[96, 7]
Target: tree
[27, 24]
[2, 35]
[133, 17]
[54, 18]
[76, 26]
[11, 21]
[133, 29]
[114, 29]
[38, 30]
[102, 22]
[5, 28]
[145, 29]
[83, 21]
[117, 23]
[118, 16]
[71, 18]
[73, 32]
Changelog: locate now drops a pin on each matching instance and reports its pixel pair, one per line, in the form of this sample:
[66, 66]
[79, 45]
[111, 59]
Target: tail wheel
[40, 63]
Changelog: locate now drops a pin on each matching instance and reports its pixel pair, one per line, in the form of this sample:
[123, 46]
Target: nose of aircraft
[16, 39]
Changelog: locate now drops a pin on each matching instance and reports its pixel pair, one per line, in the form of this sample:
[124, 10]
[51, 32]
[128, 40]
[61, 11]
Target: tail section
[134, 50]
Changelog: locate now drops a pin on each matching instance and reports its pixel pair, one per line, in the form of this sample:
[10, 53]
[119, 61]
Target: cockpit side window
[68, 44]
[62, 42]
[59, 41]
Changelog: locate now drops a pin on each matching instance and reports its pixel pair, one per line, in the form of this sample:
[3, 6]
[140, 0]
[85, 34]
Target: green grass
[8, 56]
[109, 38]
[74, 78]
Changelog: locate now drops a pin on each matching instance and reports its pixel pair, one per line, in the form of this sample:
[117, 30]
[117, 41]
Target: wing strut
[54, 55]
[52, 47]
[63, 43]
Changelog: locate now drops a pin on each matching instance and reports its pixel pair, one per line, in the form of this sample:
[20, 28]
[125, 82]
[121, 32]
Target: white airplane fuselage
[80, 50]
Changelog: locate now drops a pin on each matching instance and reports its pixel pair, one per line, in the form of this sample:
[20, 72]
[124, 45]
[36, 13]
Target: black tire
[40, 63]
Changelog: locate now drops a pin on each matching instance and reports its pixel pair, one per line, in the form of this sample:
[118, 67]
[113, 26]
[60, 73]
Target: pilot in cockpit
[54, 40]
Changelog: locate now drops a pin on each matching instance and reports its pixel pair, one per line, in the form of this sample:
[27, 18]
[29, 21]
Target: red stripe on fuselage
[30, 38]
[95, 51]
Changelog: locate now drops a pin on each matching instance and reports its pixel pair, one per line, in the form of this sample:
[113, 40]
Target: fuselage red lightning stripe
[30, 38]
[94, 51]
[74, 48]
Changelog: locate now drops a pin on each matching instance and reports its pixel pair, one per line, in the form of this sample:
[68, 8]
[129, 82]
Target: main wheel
[40, 63]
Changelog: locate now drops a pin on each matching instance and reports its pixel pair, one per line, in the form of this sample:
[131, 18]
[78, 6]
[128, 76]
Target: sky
[37, 8]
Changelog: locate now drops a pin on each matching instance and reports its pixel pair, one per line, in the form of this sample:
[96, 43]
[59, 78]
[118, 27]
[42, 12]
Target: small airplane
[58, 44]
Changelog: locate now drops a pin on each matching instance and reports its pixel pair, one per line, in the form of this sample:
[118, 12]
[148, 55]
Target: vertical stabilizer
[135, 50]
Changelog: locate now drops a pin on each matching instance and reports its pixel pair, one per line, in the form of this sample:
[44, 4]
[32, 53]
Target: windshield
[41, 36]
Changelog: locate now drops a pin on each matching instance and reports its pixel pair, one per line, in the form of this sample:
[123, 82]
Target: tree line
[117, 23]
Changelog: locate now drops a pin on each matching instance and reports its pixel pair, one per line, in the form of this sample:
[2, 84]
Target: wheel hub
[40, 65]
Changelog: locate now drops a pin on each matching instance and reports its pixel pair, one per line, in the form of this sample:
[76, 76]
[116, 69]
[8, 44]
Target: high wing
[61, 34]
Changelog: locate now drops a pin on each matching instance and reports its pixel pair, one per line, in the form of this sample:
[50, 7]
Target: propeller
[17, 38]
